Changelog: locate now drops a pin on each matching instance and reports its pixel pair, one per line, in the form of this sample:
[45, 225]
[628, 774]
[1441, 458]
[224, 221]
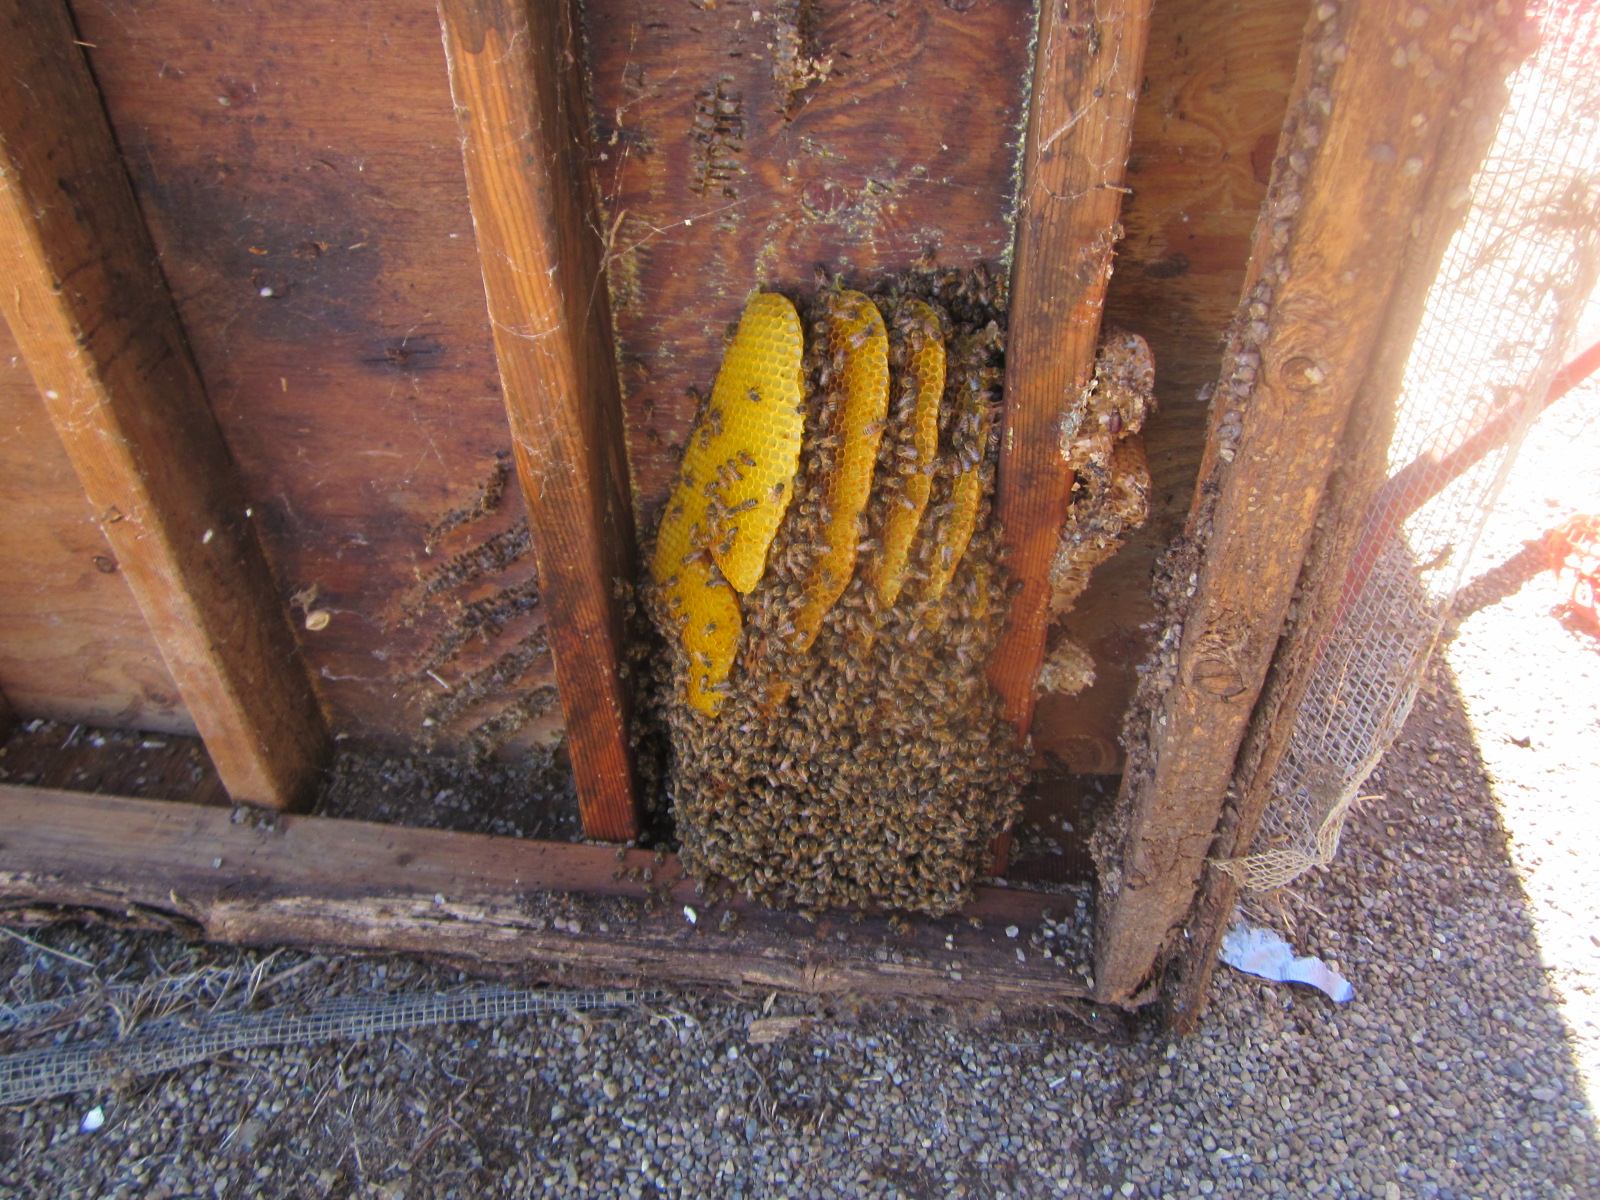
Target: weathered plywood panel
[299, 168]
[73, 644]
[94, 320]
[741, 144]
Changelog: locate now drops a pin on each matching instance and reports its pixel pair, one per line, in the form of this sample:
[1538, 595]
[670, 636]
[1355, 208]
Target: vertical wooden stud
[1087, 68]
[517, 86]
[1362, 494]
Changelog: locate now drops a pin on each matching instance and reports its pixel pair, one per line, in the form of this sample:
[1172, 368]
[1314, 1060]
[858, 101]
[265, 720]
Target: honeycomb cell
[923, 385]
[858, 344]
[756, 449]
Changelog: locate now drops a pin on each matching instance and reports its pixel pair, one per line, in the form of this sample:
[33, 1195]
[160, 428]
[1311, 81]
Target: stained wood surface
[73, 643]
[515, 77]
[92, 317]
[1086, 73]
[321, 882]
[1351, 168]
[740, 145]
[1216, 83]
[300, 170]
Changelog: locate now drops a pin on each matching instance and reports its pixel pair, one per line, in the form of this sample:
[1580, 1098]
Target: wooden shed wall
[313, 225]
[299, 168]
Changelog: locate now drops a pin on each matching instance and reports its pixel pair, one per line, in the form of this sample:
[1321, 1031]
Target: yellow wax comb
[733, 486]
[922, 389]
[857, 339]
[970, 444]
[758, 395]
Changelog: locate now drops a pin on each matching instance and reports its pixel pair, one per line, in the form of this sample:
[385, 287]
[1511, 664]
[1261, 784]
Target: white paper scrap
[1263, 953]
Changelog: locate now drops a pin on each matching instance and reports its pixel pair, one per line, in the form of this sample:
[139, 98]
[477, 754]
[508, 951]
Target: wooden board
[1351, 169]
[1086, 72]
[92, 317]
[1215, 86]
[517, 85]
[73, 644]
[300, 170]
[723, 171]
[315, 881]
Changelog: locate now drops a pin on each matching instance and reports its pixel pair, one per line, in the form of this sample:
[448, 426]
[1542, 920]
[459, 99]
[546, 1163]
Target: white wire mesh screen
[1496, 325]
[171, 1042]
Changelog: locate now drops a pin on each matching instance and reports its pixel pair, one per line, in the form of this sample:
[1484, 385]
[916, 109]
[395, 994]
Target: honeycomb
[711, 628]
[965, 496]
[858, 344]
[733, 487]
[758, 398]
[698, 613]
[966, 464]
[914, 446]
[859, 755]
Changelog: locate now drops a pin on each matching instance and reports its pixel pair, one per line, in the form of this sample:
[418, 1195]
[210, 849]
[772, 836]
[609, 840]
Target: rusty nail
[1218, 676]
[1301, 374]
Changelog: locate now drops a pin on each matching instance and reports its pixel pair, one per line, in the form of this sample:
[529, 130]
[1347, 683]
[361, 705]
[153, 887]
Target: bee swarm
[872, 765]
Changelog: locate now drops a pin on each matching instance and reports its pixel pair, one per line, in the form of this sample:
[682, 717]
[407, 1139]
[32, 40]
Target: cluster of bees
[829, 584]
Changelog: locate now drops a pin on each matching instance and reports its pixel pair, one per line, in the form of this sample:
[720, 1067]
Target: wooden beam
[89, 309]
[1357, 150]
[549, 908]
[1086, 75]
[517, 85]
[1463, 108]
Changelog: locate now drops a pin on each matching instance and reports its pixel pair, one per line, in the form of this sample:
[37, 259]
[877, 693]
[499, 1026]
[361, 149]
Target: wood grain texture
[1362, 488]
[516, 82]
[1086, 73]
[721, 173]
[318, 882]
[91, 314]
[73, 643]
[299, 167]
[1215, 86]
[1351, 167]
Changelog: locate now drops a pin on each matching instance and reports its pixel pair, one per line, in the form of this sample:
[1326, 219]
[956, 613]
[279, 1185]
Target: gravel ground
[1462, 907]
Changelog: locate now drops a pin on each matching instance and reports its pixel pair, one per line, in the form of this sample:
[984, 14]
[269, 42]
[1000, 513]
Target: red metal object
[1575, 558]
